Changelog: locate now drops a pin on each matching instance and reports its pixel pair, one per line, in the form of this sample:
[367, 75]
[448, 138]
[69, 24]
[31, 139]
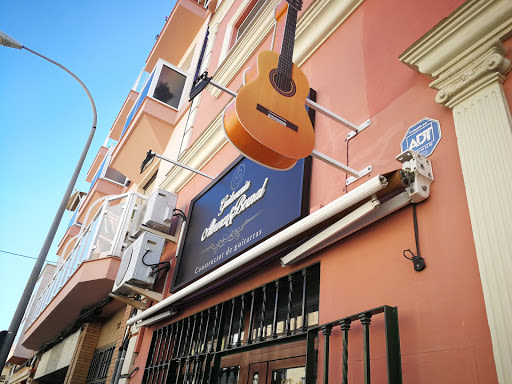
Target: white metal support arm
[184, 166]
[354, 128]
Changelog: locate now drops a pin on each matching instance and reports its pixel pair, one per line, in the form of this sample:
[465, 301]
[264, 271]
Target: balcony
[18, 353]
[97, 163]
[91, 283]
[175, 38]
[117, 127]
[69, 237]
[105, 182]
[87, 275]
[151, 121]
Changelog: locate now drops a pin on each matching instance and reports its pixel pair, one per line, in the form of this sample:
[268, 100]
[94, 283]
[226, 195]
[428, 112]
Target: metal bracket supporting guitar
[204, 80]
[222, 88]
[354, 128]
[354, 174]
[201, 83]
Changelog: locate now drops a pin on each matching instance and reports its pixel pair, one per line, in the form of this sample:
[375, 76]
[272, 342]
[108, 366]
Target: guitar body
[267, 124]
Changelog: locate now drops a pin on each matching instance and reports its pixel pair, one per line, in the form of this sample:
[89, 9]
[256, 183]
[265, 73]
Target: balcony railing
[104, 236]
[103, 172]
[166, 84]
[73, 217]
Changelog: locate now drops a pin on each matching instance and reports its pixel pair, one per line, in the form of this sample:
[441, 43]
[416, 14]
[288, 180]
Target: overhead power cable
[20, 255]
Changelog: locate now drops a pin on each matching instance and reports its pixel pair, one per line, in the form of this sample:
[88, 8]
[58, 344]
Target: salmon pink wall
[356, 72]
[444, 331]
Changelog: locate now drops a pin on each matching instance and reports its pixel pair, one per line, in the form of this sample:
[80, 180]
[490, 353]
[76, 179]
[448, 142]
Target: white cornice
[460, 38]
[245, 46]
[315, 25]
[490, 66]
[465, 50]
[318, 22]
[196, 156]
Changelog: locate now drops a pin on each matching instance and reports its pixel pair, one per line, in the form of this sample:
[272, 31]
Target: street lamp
[6, 345]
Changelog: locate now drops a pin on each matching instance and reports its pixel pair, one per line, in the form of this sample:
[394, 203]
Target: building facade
[384, 256]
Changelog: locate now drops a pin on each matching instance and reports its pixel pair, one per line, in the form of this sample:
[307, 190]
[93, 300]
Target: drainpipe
[120, 358]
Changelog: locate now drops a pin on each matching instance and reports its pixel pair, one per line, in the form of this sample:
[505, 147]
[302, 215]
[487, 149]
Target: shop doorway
[287, 371]
[278, 364]
[222, 343]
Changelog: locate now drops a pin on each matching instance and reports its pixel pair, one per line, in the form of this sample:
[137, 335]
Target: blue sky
[45, 116]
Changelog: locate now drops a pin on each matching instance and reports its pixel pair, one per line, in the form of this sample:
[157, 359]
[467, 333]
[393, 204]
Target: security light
[8, 41]
[201, 83]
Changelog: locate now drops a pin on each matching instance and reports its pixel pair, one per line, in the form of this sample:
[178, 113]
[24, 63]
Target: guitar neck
[284, 66]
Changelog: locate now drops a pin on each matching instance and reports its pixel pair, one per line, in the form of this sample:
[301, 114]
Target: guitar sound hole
[284, 86]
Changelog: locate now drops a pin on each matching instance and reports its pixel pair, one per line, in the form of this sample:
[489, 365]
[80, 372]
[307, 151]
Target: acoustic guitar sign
[268, 121]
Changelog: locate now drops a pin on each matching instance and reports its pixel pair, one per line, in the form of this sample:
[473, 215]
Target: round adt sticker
[422, 137]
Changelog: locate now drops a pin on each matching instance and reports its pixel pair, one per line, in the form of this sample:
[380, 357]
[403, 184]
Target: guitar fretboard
[284, 66]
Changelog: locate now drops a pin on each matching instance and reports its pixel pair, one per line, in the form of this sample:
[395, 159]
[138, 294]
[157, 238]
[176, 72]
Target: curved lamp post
[8, 41]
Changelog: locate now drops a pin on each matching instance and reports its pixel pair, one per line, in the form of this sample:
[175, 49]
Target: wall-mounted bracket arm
[132, 302]
[201, 83]
[353, 127]
[223, 88]
[355, 175]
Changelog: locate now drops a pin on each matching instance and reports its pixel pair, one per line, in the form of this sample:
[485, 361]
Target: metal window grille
[99, 366]
[189, 350]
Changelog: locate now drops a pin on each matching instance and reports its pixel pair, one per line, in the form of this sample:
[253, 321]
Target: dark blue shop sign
[242, 207]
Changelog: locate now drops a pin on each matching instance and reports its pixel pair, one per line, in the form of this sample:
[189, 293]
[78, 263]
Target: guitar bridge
[278, 119]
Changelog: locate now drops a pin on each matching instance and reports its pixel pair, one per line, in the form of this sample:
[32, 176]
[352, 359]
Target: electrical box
[137, 261]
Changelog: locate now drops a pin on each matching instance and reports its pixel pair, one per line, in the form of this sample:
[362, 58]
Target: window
[246, 18]
[99, 365]
[229, 375]
[169, 86]
[166, 83]
[105, 172]
[148, 187]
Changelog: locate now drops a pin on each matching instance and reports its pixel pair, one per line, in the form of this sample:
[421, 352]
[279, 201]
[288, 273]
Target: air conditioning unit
[156, 213]
[136, 263]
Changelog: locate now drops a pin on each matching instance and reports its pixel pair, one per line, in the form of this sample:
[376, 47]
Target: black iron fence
[189, 350]
[286, 310]
[319, 344]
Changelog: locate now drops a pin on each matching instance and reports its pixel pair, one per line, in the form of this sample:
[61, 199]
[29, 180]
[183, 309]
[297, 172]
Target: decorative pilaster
[490, 67]
[465, 55]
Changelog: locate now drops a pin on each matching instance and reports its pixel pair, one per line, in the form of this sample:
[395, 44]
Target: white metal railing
[105, 235]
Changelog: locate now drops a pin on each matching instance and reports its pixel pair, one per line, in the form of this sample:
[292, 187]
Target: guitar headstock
[297, 4]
